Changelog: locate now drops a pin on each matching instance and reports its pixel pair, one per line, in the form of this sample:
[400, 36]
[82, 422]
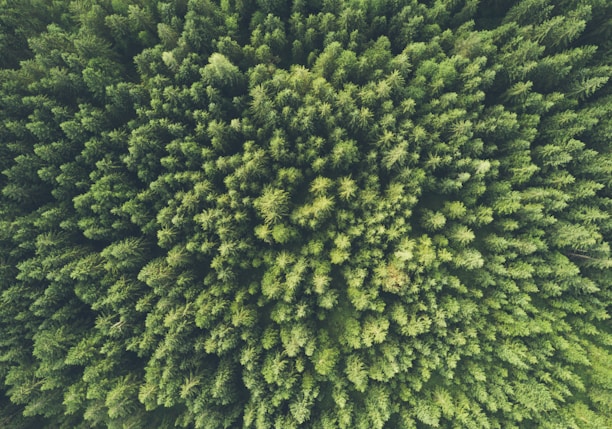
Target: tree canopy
[305, 214]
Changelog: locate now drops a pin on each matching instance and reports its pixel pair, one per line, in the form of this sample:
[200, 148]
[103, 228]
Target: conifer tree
[326, 214]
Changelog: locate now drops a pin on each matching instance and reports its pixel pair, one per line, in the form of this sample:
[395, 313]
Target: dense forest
[305, 214]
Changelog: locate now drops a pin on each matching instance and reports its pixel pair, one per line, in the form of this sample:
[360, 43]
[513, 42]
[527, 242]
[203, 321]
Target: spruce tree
[325, 214]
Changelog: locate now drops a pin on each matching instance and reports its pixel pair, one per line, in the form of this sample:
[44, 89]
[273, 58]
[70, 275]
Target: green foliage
[326, 214]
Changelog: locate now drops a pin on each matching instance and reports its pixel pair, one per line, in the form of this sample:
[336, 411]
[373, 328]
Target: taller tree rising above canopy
[322, 214]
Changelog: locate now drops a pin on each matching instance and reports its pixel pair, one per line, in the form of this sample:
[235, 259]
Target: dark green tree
[323, 214]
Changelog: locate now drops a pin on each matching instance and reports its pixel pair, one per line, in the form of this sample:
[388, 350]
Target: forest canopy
[377, 214]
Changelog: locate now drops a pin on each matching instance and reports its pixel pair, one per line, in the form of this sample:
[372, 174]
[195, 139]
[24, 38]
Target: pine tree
[327, 214]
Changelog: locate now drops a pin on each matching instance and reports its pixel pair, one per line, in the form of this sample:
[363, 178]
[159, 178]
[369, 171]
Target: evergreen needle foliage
[305, 214]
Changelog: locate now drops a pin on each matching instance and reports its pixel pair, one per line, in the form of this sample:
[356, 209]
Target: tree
[327, 214]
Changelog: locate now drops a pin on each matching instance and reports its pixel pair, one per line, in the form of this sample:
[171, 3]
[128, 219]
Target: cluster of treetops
[305, 214]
